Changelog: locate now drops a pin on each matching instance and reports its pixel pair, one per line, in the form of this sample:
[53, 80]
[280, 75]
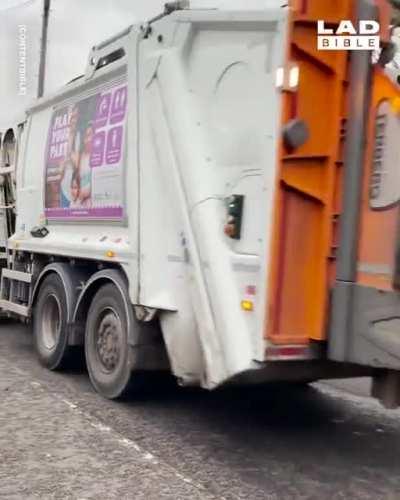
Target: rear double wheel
[50, 326]
[108, 355]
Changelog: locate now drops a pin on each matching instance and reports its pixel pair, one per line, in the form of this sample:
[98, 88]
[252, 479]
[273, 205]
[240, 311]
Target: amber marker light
[247, 305]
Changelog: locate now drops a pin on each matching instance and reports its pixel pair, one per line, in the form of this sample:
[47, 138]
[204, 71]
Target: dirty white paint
[201, 140]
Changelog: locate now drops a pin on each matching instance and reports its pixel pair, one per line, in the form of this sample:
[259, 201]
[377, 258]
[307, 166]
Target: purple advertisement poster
[84, 159]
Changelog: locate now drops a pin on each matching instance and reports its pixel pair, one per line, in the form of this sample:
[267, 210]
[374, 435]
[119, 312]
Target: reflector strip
[287, 352]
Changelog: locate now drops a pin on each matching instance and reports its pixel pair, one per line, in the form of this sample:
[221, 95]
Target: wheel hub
[51, 322]
[109, 340]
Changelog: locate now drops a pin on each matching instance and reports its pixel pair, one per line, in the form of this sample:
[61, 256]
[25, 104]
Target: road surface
[59, 439]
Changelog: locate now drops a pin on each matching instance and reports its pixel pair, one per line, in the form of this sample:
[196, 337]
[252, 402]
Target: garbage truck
[216, 198]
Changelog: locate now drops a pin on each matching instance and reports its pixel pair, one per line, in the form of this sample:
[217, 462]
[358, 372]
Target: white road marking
[144, 455]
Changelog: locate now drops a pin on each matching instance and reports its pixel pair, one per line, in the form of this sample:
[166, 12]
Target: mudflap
[386, 388]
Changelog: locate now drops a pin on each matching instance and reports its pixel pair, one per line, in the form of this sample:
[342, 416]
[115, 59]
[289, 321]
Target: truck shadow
[277, 433]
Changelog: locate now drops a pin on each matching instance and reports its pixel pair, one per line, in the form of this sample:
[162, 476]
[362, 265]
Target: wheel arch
[115, 276]
[71, 278]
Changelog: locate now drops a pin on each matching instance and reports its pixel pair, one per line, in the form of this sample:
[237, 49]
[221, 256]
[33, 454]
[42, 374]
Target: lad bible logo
[347, 36]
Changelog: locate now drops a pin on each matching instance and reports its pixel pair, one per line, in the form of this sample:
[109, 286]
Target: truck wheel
[50, 323]
[108, 355]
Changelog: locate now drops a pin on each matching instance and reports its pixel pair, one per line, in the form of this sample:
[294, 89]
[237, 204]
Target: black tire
[50, 324]
[108, 355]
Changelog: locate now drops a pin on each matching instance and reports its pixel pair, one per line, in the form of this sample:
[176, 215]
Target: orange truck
[336, 254]
[217, 197]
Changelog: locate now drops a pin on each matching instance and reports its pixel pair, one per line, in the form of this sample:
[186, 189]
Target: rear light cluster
[288, 77]
[233, 225]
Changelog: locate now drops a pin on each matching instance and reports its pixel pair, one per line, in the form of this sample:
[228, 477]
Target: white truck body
[202, 124]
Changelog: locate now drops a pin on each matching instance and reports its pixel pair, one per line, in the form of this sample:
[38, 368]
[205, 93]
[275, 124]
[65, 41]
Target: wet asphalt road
[266, 443]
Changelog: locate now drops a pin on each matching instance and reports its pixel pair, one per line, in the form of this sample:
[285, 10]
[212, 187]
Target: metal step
[16, 308]
[16, 275]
